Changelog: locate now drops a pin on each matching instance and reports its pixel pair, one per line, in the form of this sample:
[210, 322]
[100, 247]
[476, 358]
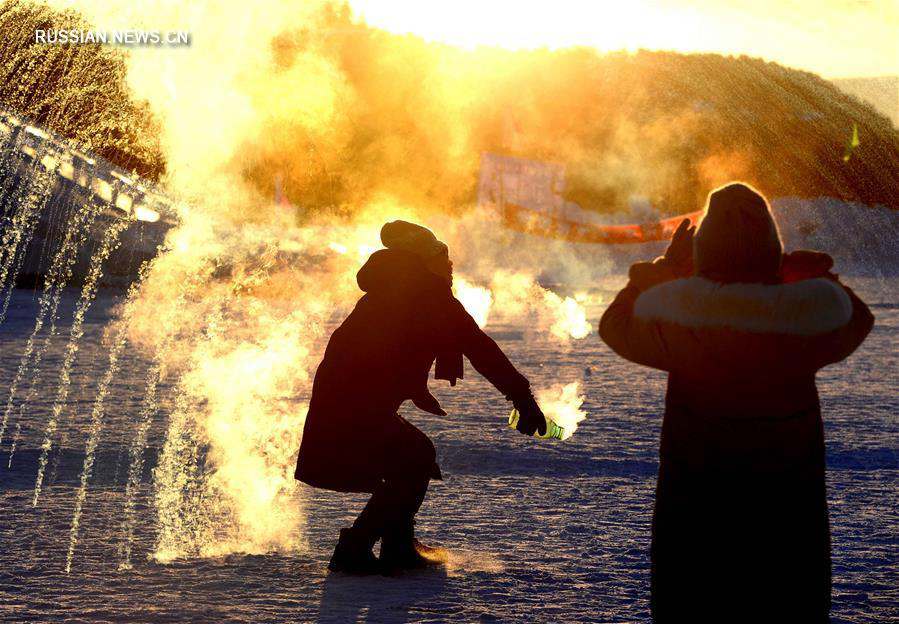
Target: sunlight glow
[820, 35]
[516, 25]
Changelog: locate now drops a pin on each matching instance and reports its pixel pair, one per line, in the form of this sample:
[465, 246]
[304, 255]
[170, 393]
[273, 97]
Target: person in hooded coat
[353, 439]
[740, 527]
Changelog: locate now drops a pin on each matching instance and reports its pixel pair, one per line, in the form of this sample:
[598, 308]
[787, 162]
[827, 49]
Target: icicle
[15, 441]
[57, 277]
[57, 457]
[35, 203]
[136, 465]
[27, 199]
[149, 409]
[182, 523]
[96, 427]
[93, 440]
[88, 292]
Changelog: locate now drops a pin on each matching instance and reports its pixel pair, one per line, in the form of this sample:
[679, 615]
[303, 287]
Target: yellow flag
[852, 144]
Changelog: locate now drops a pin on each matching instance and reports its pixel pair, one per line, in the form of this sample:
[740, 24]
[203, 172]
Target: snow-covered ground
[539, 531]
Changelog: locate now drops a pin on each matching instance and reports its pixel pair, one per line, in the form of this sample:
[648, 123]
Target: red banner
[542, 224]
[529, 194]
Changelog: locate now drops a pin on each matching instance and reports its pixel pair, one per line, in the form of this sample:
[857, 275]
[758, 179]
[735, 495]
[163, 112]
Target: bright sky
[834, 38]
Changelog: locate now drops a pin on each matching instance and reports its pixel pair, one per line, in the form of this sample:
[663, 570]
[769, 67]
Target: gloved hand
[531, 417]
[679, 255]
[805, 264]
[676, 263]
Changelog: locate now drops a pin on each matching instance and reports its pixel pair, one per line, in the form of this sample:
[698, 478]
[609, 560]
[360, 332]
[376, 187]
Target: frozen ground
[539, 531]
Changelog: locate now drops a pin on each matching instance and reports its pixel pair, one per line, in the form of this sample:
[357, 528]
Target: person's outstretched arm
[490, 361]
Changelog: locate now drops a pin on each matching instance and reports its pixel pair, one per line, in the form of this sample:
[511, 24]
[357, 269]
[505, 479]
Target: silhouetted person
[354, 440]
[740, 528]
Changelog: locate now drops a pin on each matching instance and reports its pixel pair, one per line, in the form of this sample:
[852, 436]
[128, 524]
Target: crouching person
[354, 440]
[740, 527]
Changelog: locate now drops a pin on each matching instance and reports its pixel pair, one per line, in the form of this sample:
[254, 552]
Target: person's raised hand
[676, 263]
[679, 255]
[530, 416]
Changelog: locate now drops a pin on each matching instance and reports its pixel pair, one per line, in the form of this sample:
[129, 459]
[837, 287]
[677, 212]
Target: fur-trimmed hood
[807, 308]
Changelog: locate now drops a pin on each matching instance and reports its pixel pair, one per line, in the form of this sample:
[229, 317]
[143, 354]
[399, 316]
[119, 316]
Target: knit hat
[413, 238]
[738, 239]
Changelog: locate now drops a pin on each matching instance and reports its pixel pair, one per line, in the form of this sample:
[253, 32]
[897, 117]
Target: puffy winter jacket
[740, 527]
[380, 357]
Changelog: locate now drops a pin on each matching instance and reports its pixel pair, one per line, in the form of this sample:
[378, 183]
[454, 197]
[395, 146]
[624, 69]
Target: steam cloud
[356, 127]
[562, 403]
[236, 309]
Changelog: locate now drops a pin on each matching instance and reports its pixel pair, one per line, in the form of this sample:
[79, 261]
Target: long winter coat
[380, 357]
[740, 527]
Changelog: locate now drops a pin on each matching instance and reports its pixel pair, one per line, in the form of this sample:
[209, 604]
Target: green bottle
[552, 429]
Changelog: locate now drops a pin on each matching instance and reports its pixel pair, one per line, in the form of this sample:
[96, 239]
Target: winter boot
[353, 554]
[401, 551]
